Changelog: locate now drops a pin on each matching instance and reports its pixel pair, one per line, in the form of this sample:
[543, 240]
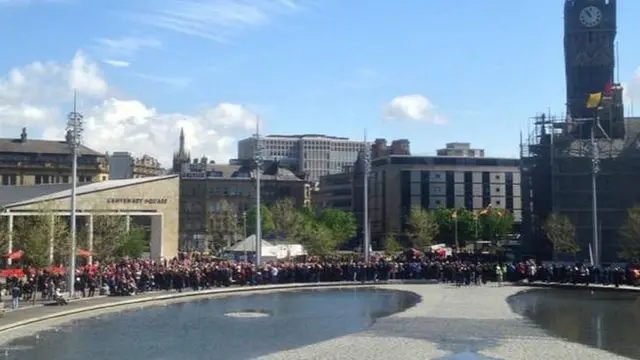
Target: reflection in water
[605, 320]
[202, 329]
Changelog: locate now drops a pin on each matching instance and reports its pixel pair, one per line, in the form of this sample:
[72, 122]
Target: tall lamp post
[258, 159]
[74, 138]
[367, 168]
[595, 169]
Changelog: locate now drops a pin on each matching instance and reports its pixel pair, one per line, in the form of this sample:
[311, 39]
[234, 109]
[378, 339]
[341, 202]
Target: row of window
[64, 179]
[53, 159]
[443, 160]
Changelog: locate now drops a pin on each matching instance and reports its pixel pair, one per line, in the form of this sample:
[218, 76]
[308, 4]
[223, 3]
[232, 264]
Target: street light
[367, 169]
[74, 139]
[595, 169]
[258, 160]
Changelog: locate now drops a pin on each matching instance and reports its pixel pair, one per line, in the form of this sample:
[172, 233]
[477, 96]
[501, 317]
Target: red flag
[608, 88]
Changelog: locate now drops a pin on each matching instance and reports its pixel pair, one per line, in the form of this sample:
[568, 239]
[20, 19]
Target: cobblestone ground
[450, 323]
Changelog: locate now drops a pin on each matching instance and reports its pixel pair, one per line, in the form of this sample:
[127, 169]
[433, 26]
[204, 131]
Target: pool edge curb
[201, 293]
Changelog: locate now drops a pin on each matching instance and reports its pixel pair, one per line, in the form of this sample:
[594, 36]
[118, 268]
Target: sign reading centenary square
[147, 201]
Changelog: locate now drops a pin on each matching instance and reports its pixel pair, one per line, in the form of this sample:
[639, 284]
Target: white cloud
[177, 82]
[216, 20]
[126, 46]
[413, 107]
[38, 96]
[116, 63]
[632, 90]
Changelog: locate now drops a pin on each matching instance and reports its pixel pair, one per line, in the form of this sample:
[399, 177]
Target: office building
[25, 161]
[122, 165]
[399, 182]
[313, 155]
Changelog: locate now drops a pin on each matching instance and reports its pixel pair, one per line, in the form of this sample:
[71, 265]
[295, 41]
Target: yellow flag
[594, 100]
[454, 215]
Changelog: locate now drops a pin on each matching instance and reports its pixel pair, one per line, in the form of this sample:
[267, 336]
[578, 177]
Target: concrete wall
[124, 199]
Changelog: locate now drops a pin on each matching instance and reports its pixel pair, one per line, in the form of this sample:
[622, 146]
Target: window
[65, 179]
[497, 189]
[104, 178]
[38, 179]
[9, 179]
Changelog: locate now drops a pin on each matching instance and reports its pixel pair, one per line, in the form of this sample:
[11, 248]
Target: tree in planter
[629, 244]
[391, 244]
[342, 224]
[422, 227]
[267, 223]
[287, 220]
[561, 234]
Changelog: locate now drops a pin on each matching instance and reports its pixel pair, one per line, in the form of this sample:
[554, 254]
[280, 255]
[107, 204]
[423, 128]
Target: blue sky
[322, 66]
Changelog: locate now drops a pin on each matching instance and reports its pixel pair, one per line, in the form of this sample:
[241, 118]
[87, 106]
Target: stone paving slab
[469, 322]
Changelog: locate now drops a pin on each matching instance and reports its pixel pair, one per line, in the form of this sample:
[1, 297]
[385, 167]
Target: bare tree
[630, 236]
[222, 226]
[561, 234]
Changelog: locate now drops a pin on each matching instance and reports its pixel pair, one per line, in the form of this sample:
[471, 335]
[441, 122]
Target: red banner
[7, 273]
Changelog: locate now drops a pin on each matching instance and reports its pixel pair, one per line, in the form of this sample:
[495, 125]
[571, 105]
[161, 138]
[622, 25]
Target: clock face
[590, 16]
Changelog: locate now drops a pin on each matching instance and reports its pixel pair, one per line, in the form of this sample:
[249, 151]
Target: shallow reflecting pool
[606, 320]
[203, 329]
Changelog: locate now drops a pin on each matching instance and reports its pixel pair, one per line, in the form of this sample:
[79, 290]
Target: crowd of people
[131, 277]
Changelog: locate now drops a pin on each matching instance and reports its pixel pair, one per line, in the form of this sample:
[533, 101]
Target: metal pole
[258, 159]
[456, 233]
[594, 191]
[244, 221]
[74, 126]
[365, 223]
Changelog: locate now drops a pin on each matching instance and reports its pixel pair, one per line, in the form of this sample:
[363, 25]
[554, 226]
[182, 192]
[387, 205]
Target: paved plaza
[449, 323]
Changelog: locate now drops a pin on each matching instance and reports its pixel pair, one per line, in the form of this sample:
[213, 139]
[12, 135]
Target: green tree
[4, 234]
[287, 220]
[446, 225]
[391, 244]
[629, 244]
[267, 224]
[321, 241]
[134, 243]
[561, 234]
[342, 224]
[496, 224]
[61, 239]
[422, 227]
[31, 235]
[109, 232]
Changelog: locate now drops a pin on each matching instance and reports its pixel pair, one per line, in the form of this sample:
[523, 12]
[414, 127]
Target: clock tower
[589, 41]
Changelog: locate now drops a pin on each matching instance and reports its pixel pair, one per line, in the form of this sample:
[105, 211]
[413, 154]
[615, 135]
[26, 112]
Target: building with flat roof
[153, 200]
[206, 187]
[25, 161]
[312, 154]
[123, 165]
[399, 182]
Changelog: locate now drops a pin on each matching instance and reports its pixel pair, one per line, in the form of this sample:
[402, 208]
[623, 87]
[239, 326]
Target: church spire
[181, 149]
